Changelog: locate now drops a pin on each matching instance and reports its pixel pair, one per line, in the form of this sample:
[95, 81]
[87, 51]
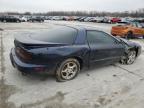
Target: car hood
[130, 43]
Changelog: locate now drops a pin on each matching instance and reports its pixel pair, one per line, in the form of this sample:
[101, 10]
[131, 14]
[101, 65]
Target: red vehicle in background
[115, 20]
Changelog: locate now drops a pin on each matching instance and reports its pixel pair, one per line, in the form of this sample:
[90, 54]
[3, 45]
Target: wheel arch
[79, 60]
[73, 57]
[130, 31]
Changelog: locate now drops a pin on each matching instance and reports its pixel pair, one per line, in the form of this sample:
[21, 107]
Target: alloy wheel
[131, 57]
[69, 70]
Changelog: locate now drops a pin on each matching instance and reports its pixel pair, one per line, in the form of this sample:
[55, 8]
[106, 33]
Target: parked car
[66, 18]
[115, 20]
[66, 50]
[88, 19]
[57, 18]
[82, 19]
[23, 19]
[140, 20]
[35, 19]
[106, 20]
[76, 18]
[99, 19]
[126, 20]
[130, 30]
[48, 18]
[9, 19]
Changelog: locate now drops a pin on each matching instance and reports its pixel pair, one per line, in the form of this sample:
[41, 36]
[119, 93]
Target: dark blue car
[65, 50]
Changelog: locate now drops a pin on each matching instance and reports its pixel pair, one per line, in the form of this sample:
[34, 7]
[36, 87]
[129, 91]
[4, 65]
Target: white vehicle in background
[126, 20]
[48, 17]
[99, 19]
[107, 20]
[57, 18]
[23, 19]
[88, 19]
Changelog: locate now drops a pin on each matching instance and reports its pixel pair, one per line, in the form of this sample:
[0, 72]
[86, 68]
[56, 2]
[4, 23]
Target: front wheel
[4, 21]
[17, 21]
[129, 58]
[114, 34]
[67, 70]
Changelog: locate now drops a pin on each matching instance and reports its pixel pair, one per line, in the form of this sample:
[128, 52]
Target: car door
[139, 29]
[103, 47]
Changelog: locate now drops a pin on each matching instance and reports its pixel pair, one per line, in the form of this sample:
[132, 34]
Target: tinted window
[134, 24]
[139, 25]
[60, 35]
[97, 37]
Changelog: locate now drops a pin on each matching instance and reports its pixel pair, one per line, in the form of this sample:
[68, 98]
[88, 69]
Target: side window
[98, 37]
[134, 24]
[139, 25]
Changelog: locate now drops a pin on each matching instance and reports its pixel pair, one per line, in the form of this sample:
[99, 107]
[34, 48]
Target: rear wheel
[68, 70]
[4, 21]
[129, 58]
[129, 35]
[17, 21]
[114, 34]
[24, 73]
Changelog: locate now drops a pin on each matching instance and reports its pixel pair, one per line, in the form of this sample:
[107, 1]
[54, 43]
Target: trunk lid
[29, 43]
[25, 44]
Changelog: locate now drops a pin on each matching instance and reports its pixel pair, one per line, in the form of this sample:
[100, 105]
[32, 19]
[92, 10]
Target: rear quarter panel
[55, 55]
[138, 31]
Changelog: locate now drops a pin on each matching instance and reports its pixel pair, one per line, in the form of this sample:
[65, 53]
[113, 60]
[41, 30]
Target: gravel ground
[114, 86]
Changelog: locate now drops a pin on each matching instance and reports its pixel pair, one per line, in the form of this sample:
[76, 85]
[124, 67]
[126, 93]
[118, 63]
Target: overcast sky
[70, 5]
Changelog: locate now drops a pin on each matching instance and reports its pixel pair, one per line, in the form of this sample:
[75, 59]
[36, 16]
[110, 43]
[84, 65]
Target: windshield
[136, 24]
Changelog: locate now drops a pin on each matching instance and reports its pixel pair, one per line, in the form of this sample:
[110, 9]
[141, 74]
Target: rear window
[59, 35]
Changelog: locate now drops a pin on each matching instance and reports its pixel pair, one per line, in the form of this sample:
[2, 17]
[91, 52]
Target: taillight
[23, 54]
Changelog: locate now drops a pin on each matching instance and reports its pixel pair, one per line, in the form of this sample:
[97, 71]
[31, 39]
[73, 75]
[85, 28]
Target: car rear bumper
[29, 68]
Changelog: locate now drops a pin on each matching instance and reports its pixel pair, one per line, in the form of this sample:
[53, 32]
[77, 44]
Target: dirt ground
[114, 86]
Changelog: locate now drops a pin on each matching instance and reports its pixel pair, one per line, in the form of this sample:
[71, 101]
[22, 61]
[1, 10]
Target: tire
[68, 70]
[4, 21]
[17, 21]
[129, 35]
[129, 58]
[24, 73]
[114, 34]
